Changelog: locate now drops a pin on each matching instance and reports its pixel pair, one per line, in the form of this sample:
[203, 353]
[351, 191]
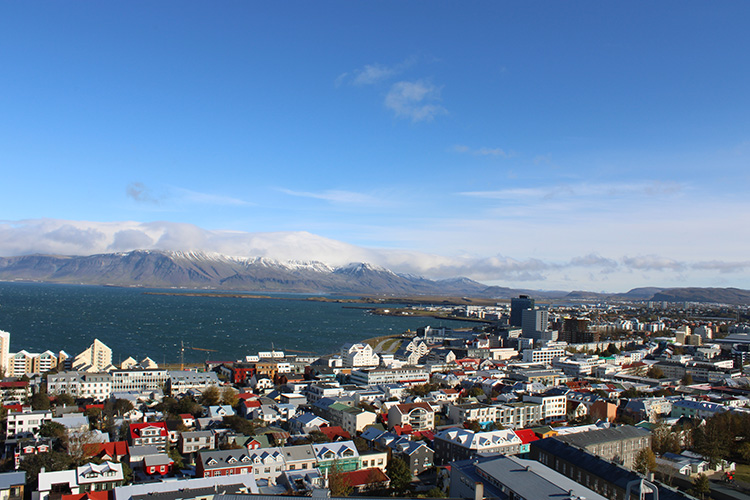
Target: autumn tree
[645, 461]
[210, 396]
[229, 396]
[663, 440]
[338, 483]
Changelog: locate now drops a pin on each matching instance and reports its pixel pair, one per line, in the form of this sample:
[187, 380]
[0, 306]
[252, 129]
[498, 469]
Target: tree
[40, 401]
[476, 392]
[645, 461]
[175, 455]
[338, 483]
[687, 379]
[64, 399]
[473, 425]
[701, 485]
[53, 430]
[655, 372]
[663, 440]
[399, 473]
[51, 461]
[210, 396]
[713, 440]
[78, 447]
[229, 396]
[95, 416]
[239, 424]
[123, 406]
[435, 492]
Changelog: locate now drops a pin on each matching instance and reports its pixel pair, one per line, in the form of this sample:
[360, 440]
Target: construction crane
[182, 353]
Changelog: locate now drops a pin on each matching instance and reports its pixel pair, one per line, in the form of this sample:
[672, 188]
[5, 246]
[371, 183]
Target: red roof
[429, 435]
[135, 429]
[15, 383]
[14, 408]
[526, 435]
[247, 395]
[403, 429]
[90, 495]
[364, 477]
[114, 450]
[334, 432]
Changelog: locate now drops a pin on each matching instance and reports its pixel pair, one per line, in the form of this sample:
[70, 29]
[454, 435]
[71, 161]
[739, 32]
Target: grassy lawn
[742, 473]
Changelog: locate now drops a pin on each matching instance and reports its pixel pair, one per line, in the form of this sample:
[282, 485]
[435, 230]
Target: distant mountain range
[196, 270]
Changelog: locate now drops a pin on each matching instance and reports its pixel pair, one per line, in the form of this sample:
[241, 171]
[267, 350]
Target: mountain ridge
[202, 270]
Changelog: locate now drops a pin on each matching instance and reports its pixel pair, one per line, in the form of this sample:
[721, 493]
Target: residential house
[461, 444]
[300, 457]
[618, 444]
[421, 416]
[12, 485]
[194, 441]
[149, 433]
[26, 424]
[343, 453]
[265, 463]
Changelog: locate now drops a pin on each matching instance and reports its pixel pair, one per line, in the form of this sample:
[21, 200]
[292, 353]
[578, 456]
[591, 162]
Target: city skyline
[548, 146]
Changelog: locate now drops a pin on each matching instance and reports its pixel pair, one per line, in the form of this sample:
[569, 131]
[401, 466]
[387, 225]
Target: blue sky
[549, 145]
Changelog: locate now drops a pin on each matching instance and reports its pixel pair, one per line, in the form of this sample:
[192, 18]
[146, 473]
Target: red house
[149, 433]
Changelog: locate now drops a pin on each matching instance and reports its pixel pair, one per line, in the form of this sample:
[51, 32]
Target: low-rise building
[462, 444]
[26, 424]
[420, 416]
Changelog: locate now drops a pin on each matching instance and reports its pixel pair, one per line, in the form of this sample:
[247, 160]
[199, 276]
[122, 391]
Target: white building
[97, 358]
[359, 355]
[26, 424]
[138, 380]
[553, 407]
[182, 381]
[4, 352]
[543, 355]
[97, 386]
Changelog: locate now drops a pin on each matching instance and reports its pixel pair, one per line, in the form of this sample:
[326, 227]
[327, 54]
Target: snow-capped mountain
[152, 268]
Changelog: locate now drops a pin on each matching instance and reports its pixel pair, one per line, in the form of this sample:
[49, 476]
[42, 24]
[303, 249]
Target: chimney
[478, 491]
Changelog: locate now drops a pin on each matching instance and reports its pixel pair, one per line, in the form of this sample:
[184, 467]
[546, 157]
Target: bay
[55, 317]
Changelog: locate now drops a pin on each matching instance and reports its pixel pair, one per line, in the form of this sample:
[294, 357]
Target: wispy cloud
[415, 100]
[141, 193]
[496, 152]
[371, 74]
[588, 190]
[339, 196]
[188, 196]
[723, 267]
[653, 263]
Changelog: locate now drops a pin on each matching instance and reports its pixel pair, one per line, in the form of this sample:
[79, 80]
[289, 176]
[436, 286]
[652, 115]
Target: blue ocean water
[69, 317]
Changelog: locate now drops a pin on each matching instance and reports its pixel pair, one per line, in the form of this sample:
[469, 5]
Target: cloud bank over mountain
[64, 237]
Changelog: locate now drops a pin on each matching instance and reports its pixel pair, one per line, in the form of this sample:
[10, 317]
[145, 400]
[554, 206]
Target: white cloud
[496, 152]
[592, 270]
[650, 189]
[373, 73]
[195, 197]
[340, 197]
[415, 100]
